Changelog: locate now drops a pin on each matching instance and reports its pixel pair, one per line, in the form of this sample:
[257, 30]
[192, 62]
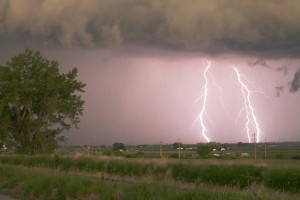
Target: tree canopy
[117, 146]
[176, 145]
[37, 102]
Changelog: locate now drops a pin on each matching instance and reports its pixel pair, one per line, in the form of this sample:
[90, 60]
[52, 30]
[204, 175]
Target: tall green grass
[35, 184]
[40, 184]
[283, 179]
[238, 175]
[226, 175]
[111, 166]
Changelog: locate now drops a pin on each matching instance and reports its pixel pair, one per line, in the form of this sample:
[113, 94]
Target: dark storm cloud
[269, 27]
[263, 63]
[284, 69]
[295, 84]
[259, 62]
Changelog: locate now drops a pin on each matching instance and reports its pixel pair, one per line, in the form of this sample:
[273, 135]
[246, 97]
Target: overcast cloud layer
[142, 61]
[268, 27]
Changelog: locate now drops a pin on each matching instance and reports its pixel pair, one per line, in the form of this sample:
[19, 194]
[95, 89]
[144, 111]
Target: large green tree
[117, 146]
[37, 102]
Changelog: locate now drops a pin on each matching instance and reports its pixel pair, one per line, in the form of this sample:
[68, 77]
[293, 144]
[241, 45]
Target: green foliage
[280, 156]
[283, 179]
[176, 145]
[204, 195]
[38, 184]
[118, 146]
[235, 175]
[37, 102]
[124, 168]
[295, 157]
[107, 152]
[139, 154]
[174, 155]
[159, 171]
[240, 144]
[42, 185]
[12, 160]
[203, 150]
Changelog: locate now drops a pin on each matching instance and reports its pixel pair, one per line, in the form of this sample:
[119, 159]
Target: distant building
[245, 154]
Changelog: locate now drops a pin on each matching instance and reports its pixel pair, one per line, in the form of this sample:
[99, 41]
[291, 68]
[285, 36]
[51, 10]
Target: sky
[144, 63]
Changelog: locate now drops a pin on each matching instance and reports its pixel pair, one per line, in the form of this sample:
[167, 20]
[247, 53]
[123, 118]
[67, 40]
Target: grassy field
[35, 183]
[55, 177]
[81, 174]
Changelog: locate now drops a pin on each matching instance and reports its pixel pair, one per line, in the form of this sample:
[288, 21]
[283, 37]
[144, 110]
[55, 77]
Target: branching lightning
[251, 123]
[251, 118]
[203, 113]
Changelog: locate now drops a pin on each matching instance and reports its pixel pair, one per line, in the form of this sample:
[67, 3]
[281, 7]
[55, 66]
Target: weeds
[282, 179]
[231, 175]
[236, 175]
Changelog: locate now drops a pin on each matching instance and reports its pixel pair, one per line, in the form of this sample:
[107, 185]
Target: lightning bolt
[251, 118]
[203, 113]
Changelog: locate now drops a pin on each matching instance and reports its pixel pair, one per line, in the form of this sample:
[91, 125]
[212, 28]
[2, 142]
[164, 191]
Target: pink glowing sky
[153, 96]
[142, 62]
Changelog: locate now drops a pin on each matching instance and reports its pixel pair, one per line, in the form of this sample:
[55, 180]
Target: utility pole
[131, 149]
[265, 148]
[178, 142]
[254, 140]
[161, 153]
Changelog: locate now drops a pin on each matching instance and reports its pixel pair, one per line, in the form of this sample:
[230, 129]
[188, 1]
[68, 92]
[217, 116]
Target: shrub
[139, 154]
[124, 168]
[100, 165]
[107, 152]
[12, 160]
[174, 155]
[159, 171]
[183, 172]
[235, 175]
[85, 164]
[66, 164]
[280, 156]
[295, 157]
[203, 150]
[282, 179]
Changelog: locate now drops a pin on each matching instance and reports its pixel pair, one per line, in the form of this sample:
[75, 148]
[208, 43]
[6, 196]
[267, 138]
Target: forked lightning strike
[251, 118]
[250, 115]
[202, 114]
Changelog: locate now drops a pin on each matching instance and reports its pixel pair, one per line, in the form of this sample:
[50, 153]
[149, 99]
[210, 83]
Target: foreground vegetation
[40, 184]
[58, 177]
[37, 103]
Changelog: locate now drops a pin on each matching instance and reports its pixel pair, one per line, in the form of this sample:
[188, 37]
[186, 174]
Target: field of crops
[103, 177]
